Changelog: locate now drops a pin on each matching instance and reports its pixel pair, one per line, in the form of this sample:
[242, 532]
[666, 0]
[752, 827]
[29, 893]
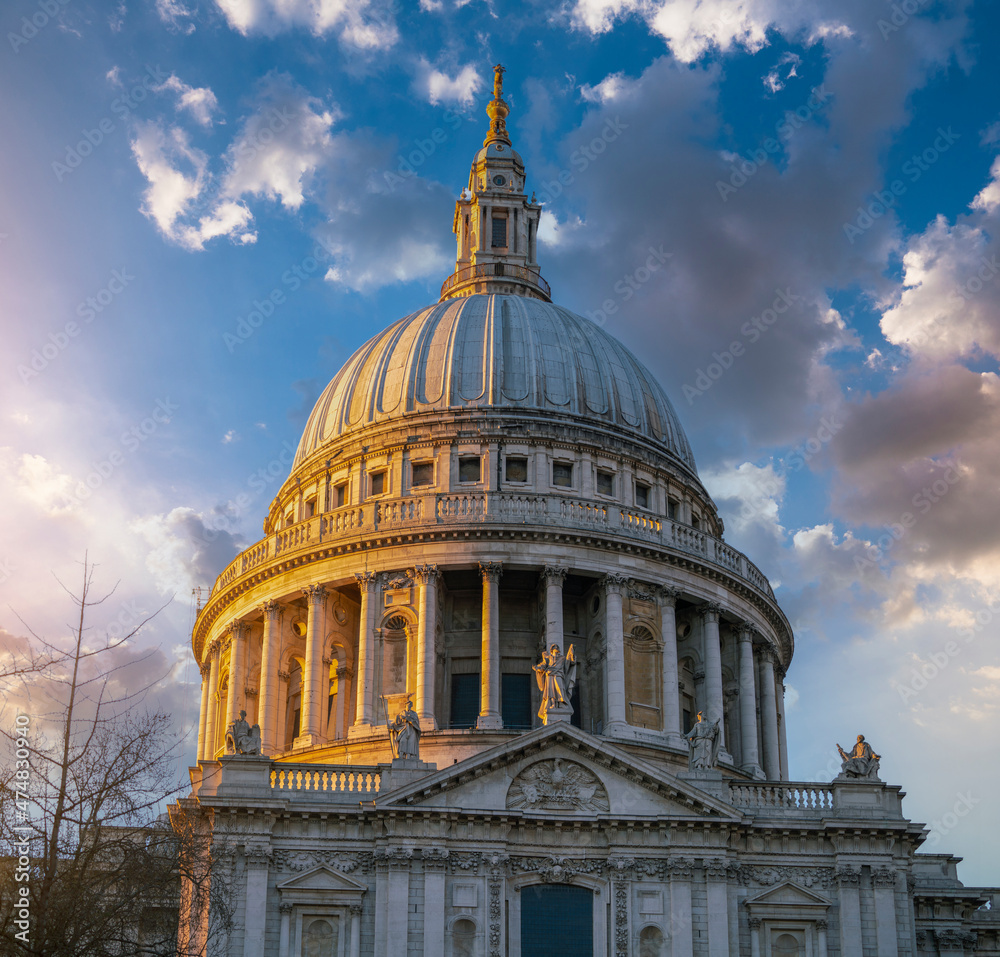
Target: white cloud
[160, 154]
[440, 87]
[200, 101]
[176, 14]
[366, 25]
[609, 89]
[988, 200]
[755, 491]
[42, 484]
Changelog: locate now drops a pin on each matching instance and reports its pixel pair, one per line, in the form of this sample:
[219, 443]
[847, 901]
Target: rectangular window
[641, 495]
[310, 508]
[516, 469]
[464, 700]
[671, 508]
[695, 521]
[340, 495]
[605, 483]
[500, 231]
[469, 469]
[289, 519]
[378, 483]
[515, 701]
[423, 473]
[686, 721]
[562, 474]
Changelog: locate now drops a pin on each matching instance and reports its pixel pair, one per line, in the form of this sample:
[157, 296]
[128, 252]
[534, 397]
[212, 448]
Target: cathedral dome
[499, 353]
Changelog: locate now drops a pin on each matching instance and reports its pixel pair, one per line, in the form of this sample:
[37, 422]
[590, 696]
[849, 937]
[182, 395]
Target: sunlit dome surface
[496, 352]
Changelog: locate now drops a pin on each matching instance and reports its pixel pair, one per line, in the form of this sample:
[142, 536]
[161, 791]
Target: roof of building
[490, 353]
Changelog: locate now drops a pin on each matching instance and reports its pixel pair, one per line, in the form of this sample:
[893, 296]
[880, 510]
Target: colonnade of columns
[760, 690]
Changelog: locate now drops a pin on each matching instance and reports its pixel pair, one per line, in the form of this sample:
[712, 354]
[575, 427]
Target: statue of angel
[556, 677]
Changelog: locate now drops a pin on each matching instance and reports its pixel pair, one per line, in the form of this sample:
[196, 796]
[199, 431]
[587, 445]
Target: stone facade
[490, 477]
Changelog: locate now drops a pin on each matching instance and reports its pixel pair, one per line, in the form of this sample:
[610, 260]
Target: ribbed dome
[495, 352]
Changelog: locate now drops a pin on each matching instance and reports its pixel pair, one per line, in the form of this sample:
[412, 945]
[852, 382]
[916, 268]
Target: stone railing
[510, 508]
[361, 781]
[788, 796]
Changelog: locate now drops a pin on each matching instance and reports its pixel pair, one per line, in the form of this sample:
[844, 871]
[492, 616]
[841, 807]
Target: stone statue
[704, 741]
[860, 762]
[405, 733]
[556, 677]
[241, 738]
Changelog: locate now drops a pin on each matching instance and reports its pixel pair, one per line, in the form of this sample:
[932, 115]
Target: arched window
[786, 945]
[643, 679]
[320, 939]
[394, 656]
[463, 939]
[651, 942]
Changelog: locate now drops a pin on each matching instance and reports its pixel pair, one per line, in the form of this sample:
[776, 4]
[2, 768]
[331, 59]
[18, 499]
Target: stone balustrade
[352, 780]
[786, 797]
[511, 508]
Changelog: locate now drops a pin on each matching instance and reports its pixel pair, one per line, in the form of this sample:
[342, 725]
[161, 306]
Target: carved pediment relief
[322, 878]
[557, 785]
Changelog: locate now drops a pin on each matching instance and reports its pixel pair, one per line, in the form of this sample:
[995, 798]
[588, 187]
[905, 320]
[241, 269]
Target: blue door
[557, 919]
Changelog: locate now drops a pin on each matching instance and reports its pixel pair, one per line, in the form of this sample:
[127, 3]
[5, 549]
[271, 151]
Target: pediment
[786, 894]
[322, 878]
[561, 771]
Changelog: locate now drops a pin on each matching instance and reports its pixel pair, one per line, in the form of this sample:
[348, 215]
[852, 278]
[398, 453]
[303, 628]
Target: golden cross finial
[498, 72]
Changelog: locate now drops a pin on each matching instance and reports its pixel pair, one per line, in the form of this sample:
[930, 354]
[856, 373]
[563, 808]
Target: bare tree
[92, 863]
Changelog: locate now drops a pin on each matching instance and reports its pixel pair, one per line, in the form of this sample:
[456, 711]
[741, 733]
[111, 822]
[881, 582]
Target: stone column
[212, 725]
[256, 901]
[714, 703]
[366, 650]
[681, 930]
[237, 670]
[489, 714]
[206, 687]
[553, 577]
[717, 900]
[748, 704]
[849, 879]
[769, 715]
[312, 676]
[614, 636]
[886, 937]
[284, 935]
[427, 577]
[782, 738]
[821, 938]
[755, 937]
[356, 930]
[268, 716]
[667, 598]
[435, 860]
[344, 700]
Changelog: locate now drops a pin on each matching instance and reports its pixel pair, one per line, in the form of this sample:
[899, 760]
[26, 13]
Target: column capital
[614, 583]
[356, 909]
[205, 668]
[238, 628]
[755, 923]
[745, 631]
[426, 574]
[667, 595]
[366, 580]
[554, 574]
[710, 611]
[491, 571]
[766, 654]
[272, 610]
[285, 907]
[316, 594]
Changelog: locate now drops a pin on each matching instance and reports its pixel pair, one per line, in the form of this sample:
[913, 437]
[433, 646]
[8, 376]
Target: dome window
[340, 495]
[310, 507]
[605, 483]
[377, 483]
[516, 469]
[562, 474]
[499, 180]
[500, 231]
[671, 508]
[469, 469]
[641, 495]
[423, 474]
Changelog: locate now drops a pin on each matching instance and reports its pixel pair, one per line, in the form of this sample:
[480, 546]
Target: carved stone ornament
[557, 785]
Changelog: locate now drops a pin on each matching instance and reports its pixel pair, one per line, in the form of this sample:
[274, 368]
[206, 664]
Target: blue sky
[170, 165]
